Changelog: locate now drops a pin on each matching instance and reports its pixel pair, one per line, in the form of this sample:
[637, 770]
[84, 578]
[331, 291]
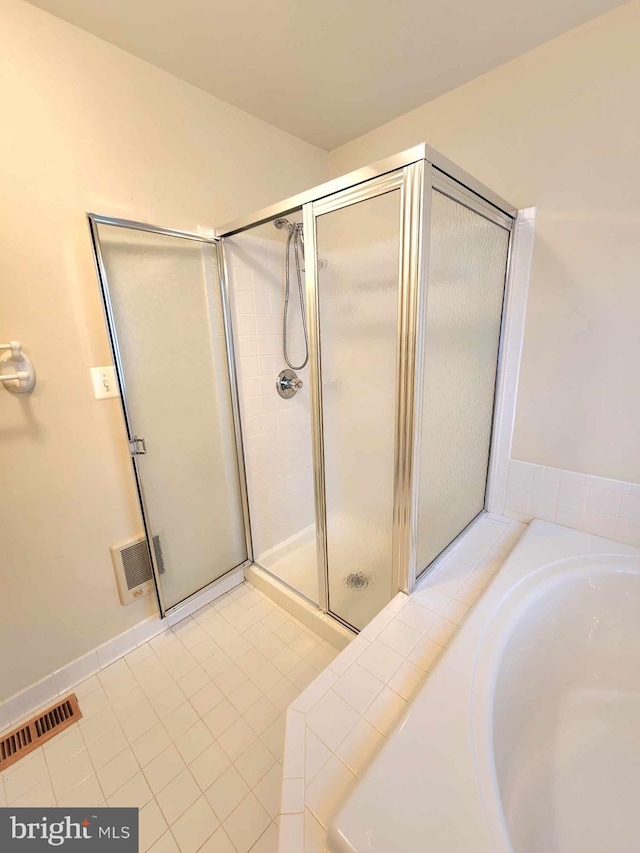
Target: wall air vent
[133, 567]
[38, 730]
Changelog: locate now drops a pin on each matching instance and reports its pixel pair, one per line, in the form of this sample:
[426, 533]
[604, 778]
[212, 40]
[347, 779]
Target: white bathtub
[526, 737]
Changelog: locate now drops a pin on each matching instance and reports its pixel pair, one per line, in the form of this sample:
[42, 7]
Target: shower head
[290, 226]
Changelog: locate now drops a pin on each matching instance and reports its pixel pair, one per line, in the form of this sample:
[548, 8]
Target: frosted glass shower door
[165, 314]
[465, 289]
[358, 251]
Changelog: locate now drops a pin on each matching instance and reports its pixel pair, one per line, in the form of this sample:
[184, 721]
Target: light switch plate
[105, 384]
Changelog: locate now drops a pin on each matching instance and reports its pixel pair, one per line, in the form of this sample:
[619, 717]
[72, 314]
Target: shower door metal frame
[94, 220]
[452, 188]
[414, 202]
[414, 237]
[445, 170]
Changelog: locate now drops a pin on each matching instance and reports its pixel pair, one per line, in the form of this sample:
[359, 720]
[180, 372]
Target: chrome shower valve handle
[288, 384]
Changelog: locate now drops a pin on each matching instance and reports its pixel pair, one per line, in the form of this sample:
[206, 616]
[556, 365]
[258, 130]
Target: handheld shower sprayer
[295, 236]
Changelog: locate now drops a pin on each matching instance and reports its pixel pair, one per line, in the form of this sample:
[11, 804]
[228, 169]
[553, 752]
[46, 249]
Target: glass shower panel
[276, 431]
[358, 250]
[167, 312]
[466, 280]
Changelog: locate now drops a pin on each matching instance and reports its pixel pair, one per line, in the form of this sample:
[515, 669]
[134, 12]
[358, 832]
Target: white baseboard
[25, 704]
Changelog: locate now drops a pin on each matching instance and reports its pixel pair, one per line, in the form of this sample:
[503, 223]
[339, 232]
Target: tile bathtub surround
[609, 508]
[522, 491]
[337, 725]
[189, 727]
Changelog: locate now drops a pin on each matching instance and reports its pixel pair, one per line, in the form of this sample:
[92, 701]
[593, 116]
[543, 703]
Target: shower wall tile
[277, 432]
[609, 508]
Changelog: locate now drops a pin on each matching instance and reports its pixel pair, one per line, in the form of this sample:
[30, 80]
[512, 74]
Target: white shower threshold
[325, 626]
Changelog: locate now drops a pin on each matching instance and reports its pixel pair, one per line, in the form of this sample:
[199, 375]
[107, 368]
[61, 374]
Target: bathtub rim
[429, 806]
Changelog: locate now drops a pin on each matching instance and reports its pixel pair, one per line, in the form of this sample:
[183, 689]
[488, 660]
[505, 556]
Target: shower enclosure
[369, 455]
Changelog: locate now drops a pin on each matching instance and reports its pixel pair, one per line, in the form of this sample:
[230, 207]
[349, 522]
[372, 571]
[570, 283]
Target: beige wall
[560, 128]
[86, 126]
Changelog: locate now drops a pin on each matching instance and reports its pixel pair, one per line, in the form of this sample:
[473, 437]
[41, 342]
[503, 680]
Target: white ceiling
[327, 70]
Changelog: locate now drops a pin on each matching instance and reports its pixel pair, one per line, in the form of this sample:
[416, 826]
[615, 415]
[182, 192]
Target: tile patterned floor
[189, 727]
